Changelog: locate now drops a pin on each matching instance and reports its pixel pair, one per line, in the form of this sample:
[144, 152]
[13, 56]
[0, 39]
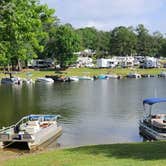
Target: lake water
[93, 112]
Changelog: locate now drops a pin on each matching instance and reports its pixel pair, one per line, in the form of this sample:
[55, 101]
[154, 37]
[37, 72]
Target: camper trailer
[106, 63]
[40, 63]
[150, 62]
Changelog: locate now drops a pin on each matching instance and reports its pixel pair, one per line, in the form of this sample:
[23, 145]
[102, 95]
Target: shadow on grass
[140, 151]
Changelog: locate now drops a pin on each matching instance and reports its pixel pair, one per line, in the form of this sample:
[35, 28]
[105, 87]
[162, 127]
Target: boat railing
[6, 128]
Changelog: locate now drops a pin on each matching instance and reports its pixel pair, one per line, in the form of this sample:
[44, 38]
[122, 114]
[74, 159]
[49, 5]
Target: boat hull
[39, 139]
[45, 137]
[45, 80]
[151, 133]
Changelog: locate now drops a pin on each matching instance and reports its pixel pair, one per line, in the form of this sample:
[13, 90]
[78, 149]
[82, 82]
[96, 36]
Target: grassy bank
[135, 154]
[118, 71]
[84, 71]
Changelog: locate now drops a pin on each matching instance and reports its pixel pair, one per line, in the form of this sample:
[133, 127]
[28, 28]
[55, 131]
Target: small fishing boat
[12, 80]
[45, 80]
[86, 78]
[74, 78]
[153, 126]
[162, 74]
[134, 75]
[102, 77]
[112, 76]
[34, 130]
[27, 81]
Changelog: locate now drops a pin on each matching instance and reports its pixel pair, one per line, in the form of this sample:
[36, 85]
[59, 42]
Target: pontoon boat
[153, 125]
[34, 130]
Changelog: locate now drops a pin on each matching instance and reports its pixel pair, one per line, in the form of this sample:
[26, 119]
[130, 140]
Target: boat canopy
[37, 117]
[46, 117]
[152, 101]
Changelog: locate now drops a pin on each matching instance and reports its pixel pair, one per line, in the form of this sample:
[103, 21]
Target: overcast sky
[107, 14]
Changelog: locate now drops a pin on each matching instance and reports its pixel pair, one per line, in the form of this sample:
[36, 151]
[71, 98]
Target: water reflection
[93, 112]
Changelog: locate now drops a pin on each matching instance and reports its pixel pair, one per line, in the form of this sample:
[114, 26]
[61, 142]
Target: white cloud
[105, 14]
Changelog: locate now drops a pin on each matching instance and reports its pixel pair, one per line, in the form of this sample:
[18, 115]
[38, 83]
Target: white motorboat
[45, 80]
[12, 80]
[74, 78]
[27, 81]
[34, 130]
[112, 76]
[86, 78]
[162, 74]
[134, 75]
[153, 126]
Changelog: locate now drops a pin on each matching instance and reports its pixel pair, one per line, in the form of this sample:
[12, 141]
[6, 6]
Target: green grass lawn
[134, 154]
[84, 71]
[118, 71]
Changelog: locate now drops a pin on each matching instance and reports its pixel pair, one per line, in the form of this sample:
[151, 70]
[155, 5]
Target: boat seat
[32, 127]
[45, 124]
[158, 116]
[158, 123]
[32, 123]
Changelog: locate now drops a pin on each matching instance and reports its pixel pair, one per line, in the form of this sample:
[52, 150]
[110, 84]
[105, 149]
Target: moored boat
[44, 80]
[86, 78]
[74, 78]
[134, 75]
[102, 77]
[112, 76]
[34, 130]
[153, 125]
[12, 80]
[27, 81]
[162, 74]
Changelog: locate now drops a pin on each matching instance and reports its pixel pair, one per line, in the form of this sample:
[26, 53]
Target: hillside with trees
[30, 30]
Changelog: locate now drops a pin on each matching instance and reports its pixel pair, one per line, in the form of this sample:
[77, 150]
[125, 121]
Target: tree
[123, 41]
[157, 43]
[103, 44]
[162, 51]
[144, 44]
[21, 29]
[63, 44]
[88, 37]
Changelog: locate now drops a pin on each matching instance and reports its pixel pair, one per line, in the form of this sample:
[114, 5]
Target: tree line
[30, 30]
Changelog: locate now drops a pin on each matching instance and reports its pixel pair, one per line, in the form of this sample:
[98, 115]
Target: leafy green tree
[123, 41]
[148, 45]
[63, 44]
[21, 29]
[162, 51]
[88, 37]
[144, 41]
[103, 44]
[157, 42]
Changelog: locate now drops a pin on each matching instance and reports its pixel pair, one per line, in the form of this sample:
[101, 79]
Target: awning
[152, 101]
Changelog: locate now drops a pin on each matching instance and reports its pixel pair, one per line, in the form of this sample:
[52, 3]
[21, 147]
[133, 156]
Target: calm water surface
[93, 112]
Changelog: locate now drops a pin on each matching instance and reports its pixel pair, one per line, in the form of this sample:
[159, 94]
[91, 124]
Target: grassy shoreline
[127, 154]
[84, 71]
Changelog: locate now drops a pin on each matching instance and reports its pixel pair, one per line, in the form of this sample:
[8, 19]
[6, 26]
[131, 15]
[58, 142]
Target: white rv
[106, 63]
[40, 63]
[150, 62]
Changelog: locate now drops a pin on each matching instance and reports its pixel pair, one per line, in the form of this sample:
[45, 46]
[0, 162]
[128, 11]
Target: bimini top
[152, 101]
[38, 116]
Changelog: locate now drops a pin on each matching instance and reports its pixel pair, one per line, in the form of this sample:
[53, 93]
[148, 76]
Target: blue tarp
[152, 101]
